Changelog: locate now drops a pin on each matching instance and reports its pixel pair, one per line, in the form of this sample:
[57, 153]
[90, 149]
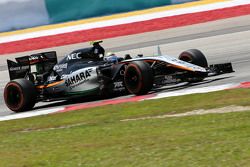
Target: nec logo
[74, 56]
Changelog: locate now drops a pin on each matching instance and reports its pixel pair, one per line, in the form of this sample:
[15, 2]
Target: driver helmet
[111, 58]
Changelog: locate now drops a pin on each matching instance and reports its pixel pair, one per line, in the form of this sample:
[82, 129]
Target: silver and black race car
[86, 72]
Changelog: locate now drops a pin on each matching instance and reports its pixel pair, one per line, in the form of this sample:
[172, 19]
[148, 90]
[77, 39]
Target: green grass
[97, 137]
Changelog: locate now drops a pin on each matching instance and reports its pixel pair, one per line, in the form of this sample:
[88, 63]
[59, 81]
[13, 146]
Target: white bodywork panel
[173, 61]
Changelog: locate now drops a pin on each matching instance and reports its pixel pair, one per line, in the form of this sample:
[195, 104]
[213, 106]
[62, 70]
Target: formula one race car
[86, 72]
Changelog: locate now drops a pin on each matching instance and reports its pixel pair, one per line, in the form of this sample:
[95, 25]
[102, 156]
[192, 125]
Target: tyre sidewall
[145, 78]
[27, 94]
[194, 56]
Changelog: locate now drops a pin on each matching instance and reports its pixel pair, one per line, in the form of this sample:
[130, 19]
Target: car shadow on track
[95, 99]
[189, 85]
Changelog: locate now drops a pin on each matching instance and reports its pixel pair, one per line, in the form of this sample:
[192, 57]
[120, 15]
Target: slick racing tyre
[20, 95]
[138, 78]
[194, 56]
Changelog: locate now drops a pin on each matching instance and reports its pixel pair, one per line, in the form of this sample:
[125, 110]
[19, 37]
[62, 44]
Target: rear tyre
[138, 78]
[196, 57]
[20, 95]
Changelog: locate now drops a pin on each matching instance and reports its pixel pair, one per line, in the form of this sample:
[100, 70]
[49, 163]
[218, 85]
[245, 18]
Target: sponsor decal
[19, 68]
[63, 76]
[60, 67]
[52, 78]
[122, 72]
[35, 57]
[168, 79]
[182, 63]
[118, 86]
[79, 78]
[74, 56]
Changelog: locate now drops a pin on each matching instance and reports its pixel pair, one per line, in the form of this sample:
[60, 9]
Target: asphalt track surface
[221, 41]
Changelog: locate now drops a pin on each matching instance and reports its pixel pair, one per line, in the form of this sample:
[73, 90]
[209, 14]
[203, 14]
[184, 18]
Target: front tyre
[194, 56]
[138, 78]
[20, 95]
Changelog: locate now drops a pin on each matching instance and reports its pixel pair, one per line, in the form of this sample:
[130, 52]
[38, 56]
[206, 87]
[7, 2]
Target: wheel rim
[132, 78]
[186, 58]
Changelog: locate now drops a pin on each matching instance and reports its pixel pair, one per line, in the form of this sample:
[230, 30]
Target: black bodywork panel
[43, 62]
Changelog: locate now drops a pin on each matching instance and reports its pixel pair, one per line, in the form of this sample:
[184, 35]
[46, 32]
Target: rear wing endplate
[22, 67]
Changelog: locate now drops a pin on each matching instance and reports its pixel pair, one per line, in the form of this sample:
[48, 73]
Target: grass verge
[97, 137]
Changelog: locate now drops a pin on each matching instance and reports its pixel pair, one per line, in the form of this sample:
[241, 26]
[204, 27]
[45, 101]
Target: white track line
[193, 91]
[124, 20]
[158, 96]
[222, 110]
[30, 114]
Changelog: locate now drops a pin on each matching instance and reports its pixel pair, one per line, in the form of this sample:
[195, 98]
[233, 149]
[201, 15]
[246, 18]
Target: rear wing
[42, 62]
